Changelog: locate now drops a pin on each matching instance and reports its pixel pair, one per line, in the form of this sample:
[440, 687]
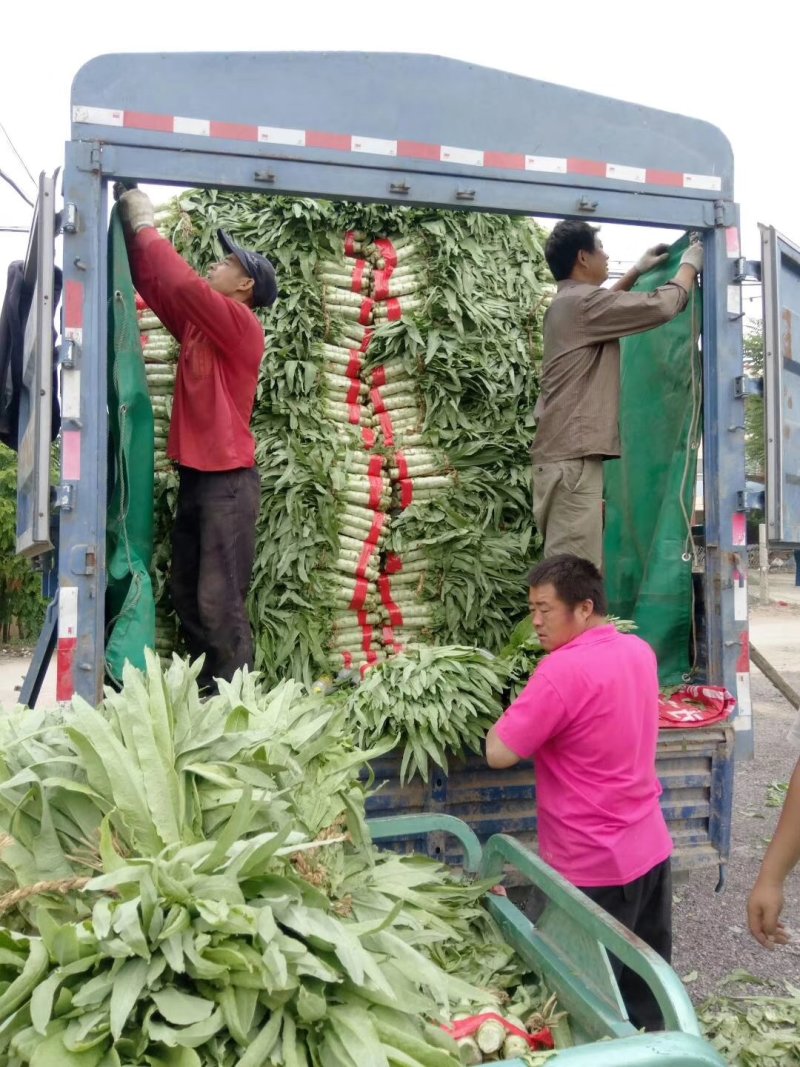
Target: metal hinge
[744, 385]
[65, 496]
[83, 559]
[744, 269]
[67, 354]
[747, 501]
[69, 219]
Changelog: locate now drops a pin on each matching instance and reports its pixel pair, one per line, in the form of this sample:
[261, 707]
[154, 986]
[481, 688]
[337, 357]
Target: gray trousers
[568, 507]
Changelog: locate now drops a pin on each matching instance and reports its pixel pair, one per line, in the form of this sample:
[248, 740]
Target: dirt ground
[711, 937]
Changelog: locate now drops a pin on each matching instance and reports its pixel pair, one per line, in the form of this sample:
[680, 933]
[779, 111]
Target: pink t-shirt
[589, 718]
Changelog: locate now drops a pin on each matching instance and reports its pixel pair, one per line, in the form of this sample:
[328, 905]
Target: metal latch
[65, 496]
[744, 385]
[83, 559]
[69, 219]
[67, 352]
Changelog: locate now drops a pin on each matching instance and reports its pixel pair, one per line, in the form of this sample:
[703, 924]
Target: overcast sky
[731, 64]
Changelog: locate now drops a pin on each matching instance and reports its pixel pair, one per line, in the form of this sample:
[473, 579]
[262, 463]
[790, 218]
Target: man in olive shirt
[577, 413]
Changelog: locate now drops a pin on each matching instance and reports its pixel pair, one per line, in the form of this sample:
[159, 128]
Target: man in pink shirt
[588, 717]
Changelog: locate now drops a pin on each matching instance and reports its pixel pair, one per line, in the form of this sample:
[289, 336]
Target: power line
[15, 187]
[16, 153]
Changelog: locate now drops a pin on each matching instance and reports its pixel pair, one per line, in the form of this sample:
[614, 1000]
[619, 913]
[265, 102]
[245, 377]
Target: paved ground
[711, 935]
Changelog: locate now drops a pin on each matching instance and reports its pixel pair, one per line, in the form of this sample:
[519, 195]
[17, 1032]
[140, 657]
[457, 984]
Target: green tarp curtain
[649, 491]
[130, 609]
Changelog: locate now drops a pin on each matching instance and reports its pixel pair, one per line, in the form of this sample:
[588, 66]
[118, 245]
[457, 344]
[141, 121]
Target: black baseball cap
[259, 268]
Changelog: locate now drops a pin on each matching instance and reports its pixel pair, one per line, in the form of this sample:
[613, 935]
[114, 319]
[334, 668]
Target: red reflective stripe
[375, 490]
[504, 160]
[360, 594]
[355, 364]
[65, 686]
[358, 275]
[368, 436]
[354, 417]
[377, 400]
[589, 167]
[663, 177]
[402, 465]
[406, 492]
[419, 150]
[379, 376]
[73, 305]
[394, 309]
[386, 426]
[141, 120]
[317, 139]
[743, 662]
[365, 316]
[353, 392]
[387, 250]
[394, 563]
[233, 131]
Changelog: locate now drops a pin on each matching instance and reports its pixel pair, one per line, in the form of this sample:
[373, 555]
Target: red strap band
[362, 617]
[358, 275]
[363, 560]
[394, 309]
[395, 615]
[380, 284]
[366, 639]
[377, 400]
[375, 490]
[386, 425]
[379, 376]
[354, 414]
[406, 492]
[377, 525]
[387, 250]
[402, 464]
[360, 594]
[367, 338]
[375, 465]
[355, 364]
[365, 316]
[348, 659]
[353, 392]
[393, 563]
[368, 436]
[349, 243]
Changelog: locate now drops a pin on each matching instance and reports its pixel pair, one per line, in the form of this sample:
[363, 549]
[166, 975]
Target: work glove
[693, 256]
[653, 257]
[136, 210]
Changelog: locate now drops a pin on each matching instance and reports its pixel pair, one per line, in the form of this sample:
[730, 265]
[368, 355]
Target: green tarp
[130, 609]
[649, 492]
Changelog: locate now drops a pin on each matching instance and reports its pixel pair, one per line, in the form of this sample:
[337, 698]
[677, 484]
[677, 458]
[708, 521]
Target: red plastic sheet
[695, 705]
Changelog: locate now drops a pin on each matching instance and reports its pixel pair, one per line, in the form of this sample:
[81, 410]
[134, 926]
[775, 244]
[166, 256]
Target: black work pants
[213, 546]
[645, 907]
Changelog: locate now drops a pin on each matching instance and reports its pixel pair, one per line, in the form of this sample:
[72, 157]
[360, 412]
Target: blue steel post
[82, 535]
[724, 481]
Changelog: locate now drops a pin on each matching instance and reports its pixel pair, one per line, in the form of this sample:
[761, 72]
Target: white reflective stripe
[548, 164]
[702, 181]
[70, 393]
[622, 173]
[280, 135]
[98, 116]
[469, 156]
[377, 145]
[201, 127]
[734, 300]
[740, 598]
[744, 706]
[68, 611]
[74, 333]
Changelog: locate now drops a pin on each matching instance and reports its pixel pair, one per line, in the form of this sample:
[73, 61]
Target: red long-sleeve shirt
[222, 344]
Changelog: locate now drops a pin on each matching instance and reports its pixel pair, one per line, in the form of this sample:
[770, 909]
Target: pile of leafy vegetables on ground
[754, 1030]
[191, 883]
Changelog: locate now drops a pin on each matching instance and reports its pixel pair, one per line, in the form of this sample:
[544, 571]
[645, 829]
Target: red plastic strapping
[372, 658]
[363, 560]
[139, 302]
[375, 490]
[360, 594]
[542, 1039]
[395, 615]
[393, 563]
[348, 659]
[368, 436]
[402, 464]
[365, 316]
[387, 250]
[377, 400]
[349, 243]
[379, 376]
[406, 492]
[367, 338]
[386, 425]
[362, 617]
[353, 393]
[377, 525]
[375, 466]
[366, 638]
[394, 309]
[354, 414]
[358, 275]
[144, 339]
[380, 284]
[355, 364]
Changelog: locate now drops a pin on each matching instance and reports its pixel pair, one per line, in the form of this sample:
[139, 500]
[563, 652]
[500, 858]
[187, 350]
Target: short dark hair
[574, 580]
[567, 239]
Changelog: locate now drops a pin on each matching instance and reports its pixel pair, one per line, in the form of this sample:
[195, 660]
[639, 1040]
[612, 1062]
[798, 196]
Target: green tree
[21, 601]
[755, 455]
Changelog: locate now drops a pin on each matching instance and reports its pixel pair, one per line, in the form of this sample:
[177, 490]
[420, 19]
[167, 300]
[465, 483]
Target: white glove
[653, 257]
[693, 256]
[136, 210]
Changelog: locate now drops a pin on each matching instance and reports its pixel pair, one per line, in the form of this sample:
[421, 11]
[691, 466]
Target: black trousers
[645, 907]
[213, 546]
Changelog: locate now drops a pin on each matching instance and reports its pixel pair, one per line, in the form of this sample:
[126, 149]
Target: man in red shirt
[222, 344]
[588, 718]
